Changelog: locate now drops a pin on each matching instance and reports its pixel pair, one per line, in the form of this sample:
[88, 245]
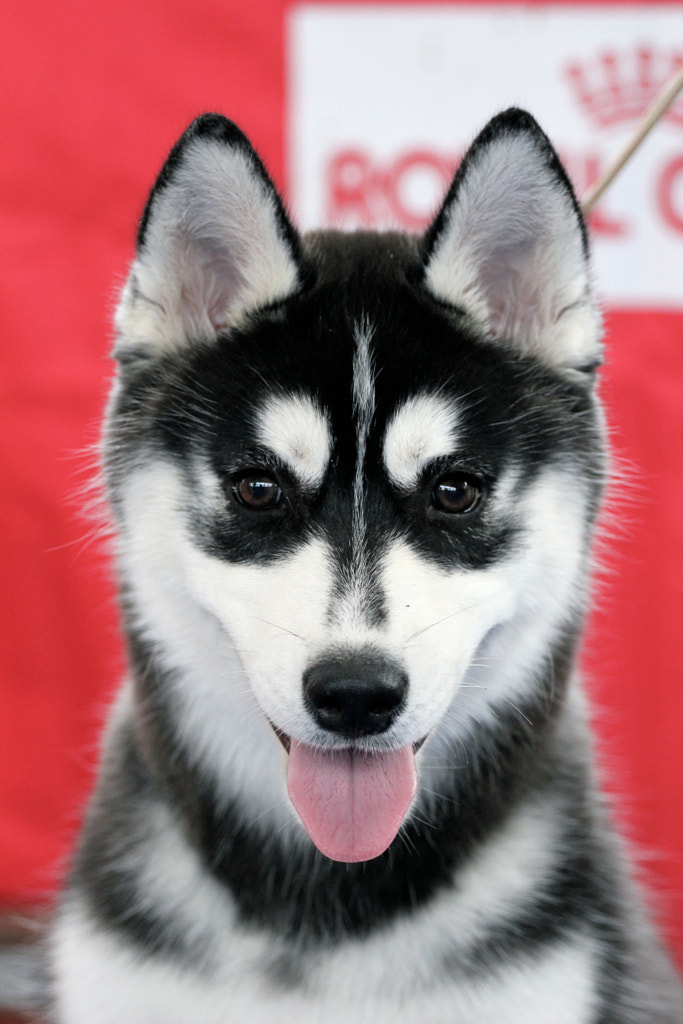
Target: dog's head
[354, 476]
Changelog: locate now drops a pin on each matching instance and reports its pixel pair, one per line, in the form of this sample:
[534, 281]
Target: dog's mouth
[352, 802]
[286, 741]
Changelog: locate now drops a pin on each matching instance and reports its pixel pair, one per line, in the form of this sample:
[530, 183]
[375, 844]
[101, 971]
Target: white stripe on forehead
[352, 607]
[363, 410]
[298, 431]
[422, 429]
[363, 379]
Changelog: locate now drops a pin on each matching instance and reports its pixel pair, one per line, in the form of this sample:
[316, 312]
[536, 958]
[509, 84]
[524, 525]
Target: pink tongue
[352, 804]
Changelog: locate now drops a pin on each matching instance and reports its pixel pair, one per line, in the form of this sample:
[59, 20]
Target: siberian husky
[355, 479]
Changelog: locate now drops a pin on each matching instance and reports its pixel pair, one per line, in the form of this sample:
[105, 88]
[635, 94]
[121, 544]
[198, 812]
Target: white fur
[298, 431]
[359, 984]
[224, 728]
[511, 255]
[422, 429]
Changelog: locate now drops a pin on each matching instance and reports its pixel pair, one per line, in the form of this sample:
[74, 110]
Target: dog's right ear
[214, 244]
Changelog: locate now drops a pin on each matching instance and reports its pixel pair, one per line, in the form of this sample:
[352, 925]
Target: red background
[94, 95]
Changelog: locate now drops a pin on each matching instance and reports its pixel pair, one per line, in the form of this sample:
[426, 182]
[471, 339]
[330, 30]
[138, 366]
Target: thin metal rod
[657, 110]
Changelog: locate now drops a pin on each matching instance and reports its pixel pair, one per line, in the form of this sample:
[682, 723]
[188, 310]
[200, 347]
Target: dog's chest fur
[413, 968]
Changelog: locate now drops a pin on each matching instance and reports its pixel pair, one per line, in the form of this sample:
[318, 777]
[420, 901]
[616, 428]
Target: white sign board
[383, 101]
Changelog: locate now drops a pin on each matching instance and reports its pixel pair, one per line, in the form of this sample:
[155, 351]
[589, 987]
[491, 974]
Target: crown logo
[614, 88]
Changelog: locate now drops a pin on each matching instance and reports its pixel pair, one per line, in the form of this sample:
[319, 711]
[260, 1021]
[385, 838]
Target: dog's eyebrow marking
[422, 429]
[298, 431]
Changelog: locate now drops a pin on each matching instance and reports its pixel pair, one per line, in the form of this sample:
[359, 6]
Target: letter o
[669, 178]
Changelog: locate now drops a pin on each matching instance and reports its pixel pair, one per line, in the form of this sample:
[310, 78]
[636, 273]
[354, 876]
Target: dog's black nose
[358, 695]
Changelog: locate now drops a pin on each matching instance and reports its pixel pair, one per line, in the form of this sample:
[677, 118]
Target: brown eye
[457, 493]
[257, 491]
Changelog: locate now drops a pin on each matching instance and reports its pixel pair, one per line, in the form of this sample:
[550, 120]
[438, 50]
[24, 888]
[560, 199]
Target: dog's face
[354, 476]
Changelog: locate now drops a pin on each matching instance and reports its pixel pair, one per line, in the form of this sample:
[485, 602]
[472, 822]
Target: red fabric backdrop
[93, 97]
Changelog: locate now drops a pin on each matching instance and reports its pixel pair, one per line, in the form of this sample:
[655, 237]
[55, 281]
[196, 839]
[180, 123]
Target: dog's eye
[258, 491]
[457, 493]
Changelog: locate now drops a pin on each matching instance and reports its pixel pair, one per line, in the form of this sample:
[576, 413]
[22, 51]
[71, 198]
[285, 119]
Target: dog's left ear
[509, 247]
[214, 244]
